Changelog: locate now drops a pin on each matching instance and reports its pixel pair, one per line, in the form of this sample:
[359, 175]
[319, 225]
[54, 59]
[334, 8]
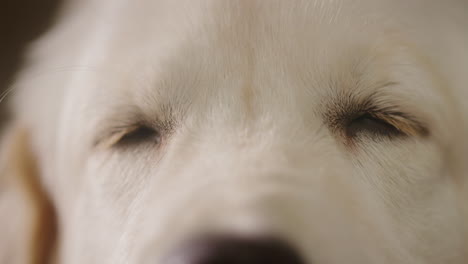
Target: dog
[198, 132]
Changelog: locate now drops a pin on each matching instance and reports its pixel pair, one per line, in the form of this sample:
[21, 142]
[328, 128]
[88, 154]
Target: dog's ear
[27, 219]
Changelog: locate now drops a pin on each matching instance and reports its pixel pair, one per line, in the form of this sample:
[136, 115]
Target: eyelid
[113, 137]
[402, 122]
[343, 112]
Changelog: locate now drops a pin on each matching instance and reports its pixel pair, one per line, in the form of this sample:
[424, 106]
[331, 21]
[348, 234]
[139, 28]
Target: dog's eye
[353, 121]
[139, 135]
[372, 125]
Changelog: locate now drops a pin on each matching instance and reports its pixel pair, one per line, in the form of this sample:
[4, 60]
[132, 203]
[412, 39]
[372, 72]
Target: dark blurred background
[21, 21]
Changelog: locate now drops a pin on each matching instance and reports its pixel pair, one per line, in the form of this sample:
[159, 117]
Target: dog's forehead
[236, 34]
[234, 49]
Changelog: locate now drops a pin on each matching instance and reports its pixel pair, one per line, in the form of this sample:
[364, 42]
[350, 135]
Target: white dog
[241, 131]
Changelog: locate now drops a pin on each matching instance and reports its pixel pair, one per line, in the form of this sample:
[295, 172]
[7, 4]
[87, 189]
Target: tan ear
[27, 220]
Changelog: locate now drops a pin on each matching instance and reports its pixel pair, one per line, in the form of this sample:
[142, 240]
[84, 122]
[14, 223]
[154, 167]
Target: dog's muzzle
[234, 250]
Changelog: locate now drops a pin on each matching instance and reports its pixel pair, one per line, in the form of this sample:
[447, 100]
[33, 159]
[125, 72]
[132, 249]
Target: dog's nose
[235, 250]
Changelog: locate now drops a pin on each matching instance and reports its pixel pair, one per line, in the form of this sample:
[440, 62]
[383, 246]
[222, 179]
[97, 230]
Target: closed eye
[372, 125]
[372, 118]
[139, 135]
[383, 123]
[130, 136]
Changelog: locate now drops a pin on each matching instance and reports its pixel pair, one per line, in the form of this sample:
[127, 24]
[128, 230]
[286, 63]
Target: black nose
[235, 250]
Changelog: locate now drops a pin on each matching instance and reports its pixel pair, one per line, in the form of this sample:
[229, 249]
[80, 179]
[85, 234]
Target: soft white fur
[248, 83]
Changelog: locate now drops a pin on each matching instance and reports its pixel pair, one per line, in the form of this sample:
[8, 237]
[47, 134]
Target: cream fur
[248, 85]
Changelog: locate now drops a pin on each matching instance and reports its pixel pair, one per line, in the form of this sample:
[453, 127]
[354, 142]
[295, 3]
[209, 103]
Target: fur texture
[246, 106]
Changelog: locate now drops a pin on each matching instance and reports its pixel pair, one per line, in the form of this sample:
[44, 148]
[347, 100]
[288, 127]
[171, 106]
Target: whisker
[6, 93]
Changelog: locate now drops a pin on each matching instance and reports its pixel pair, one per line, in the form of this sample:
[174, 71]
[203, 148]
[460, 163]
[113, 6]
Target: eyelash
[371, 124]
[376, 123]
[139, 135]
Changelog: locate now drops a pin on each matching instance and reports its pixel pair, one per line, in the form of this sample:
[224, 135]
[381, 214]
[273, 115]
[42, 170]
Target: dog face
[334, 126]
